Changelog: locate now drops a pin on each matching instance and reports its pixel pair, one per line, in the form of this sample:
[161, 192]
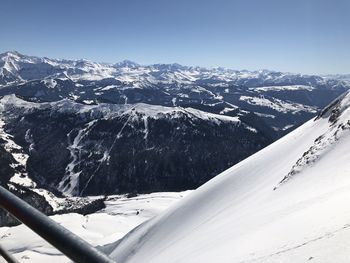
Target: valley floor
[120, 216]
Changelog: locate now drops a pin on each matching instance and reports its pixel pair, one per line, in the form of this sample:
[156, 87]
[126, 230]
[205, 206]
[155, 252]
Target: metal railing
[7, 256]
[65, 241]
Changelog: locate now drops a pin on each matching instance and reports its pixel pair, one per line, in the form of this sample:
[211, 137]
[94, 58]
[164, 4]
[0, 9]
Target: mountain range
[73, 129]
[286, 203]
[76, 127]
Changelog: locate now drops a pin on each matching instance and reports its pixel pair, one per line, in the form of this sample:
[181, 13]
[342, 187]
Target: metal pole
[68, 243]
[7, 256]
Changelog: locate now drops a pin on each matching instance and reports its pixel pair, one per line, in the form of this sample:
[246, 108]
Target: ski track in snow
[71, 188]
[269, 257]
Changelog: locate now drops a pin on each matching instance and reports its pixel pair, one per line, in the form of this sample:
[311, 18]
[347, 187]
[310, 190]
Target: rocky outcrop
[27, 195]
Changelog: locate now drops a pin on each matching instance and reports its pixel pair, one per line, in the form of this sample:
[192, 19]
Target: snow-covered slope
[16, 67]
[106, 111]
[103, 227]
[286, 203]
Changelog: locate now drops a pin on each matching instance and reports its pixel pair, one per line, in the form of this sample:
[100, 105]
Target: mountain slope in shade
[286, 203]
[81, 149]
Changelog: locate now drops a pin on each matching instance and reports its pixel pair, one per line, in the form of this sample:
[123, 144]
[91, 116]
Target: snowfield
[120, 216]
[283, 88]
[250, 213]
[278, 105]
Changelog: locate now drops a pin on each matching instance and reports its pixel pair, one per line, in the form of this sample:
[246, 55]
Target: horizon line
[176, 63]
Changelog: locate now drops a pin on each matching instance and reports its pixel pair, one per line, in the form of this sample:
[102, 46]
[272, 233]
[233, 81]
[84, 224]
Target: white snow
[287, 127]
[50, 83]
[173, 100]
[74, 97]
[182, 95]
[18, 155]
[125, 99]
[239, 217]
[104, 227]
[113, 110]
[264, 115]
[278, 105]
[13, 64]
[283, 88]
[109, 87]
[88, 102]
[69, 184]
[226, 110]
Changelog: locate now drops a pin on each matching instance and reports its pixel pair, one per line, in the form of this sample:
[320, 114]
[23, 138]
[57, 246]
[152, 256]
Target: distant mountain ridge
[15, 66]
[281, 99]
[78, 127]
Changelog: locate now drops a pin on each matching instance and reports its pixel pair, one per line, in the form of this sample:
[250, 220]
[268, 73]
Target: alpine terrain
[286, 203]
[175, 131]
[79, 128]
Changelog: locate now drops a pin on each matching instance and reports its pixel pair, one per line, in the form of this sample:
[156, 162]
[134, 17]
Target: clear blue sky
[308, 36]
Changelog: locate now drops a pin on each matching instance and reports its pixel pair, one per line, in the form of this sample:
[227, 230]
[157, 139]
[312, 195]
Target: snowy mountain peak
[8, 54]
[14, 54]
[16, 57]
[18, 67]
[126, 64]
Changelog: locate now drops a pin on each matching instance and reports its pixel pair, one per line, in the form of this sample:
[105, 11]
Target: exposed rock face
[338, 126]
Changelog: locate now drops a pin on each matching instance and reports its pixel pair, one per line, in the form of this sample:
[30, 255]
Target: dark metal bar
[7, 256]
[68, 243]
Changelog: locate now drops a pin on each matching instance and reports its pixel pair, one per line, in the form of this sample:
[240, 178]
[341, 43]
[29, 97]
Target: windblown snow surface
[287, 203]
